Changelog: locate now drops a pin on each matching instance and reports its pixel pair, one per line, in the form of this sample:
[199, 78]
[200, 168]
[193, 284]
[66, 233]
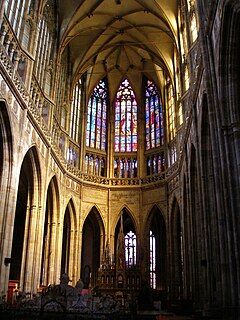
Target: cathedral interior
[120, 150]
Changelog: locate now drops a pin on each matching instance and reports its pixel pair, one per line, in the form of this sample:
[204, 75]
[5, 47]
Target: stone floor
[171, 316]
[141, 315]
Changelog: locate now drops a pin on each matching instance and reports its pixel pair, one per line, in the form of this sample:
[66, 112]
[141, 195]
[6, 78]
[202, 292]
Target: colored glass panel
[97, 116]
[125, 119]
[154, 117]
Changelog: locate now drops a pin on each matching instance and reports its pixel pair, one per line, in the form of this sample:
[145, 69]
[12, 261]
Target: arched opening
[5, 146]
[25, 225]
[154, 284]
[176, 253]
[66, 243]
[125, 242]
[158, 229]
[25, 184]
[49, 272]
[92, 245]
[7, 192]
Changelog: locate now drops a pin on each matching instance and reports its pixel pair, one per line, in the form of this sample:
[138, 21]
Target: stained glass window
[125, 167]
[152, 260]
[155, 163]
[171, 112]
[75, 111]
[154, 117]
[15, 12]
[96, 119]
[125, 119]
[130, 248]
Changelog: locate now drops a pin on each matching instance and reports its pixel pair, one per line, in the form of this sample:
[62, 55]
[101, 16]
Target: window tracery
[152, 260]
[155, 163]
[193, 20]
[15, 12]
[125, 119]
[125, 167]
[75, 111]
[154, 117]
[97, 117]
[171, 111]
[72, 155]
[130, 249]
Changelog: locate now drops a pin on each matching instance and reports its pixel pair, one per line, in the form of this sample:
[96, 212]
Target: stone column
[141, 169]
[51, 253]
[30, 236]
[24, 253]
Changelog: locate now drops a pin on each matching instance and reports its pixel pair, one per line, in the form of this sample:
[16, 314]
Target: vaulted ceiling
[119, 38]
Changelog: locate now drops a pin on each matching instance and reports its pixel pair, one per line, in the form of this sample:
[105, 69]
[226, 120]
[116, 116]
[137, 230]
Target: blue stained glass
[96, 119]
[125, 118]
[122, 148]
[154, 117]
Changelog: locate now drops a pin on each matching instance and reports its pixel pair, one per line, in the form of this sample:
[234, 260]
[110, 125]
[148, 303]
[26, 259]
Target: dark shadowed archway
[92, 245]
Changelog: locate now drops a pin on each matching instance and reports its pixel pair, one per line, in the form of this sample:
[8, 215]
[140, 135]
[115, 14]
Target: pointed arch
[49, 266]
[126, 239]
[69, 242]
[153, 116]
[5, 144]
[156, 258]
[93, 241]
[125, 208]
[96, 133]
[25, 223]
[229, 63]
[125, 119]
[7, 193]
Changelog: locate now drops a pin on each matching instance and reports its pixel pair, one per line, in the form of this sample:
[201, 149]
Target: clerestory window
[75, 112]
[97, 117]
[171, 112]
[125, 119]
[15, 12]
[154, 117]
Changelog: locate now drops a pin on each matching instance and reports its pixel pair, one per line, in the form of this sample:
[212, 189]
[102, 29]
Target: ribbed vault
[119, 38]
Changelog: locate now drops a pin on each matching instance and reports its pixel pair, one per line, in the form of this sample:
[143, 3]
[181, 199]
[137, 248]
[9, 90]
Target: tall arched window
[171, 111]
[44, 48]
[15, 12]
[75, 111]
[97, 115]
[130, 249]
[152, 260]
[154, 117]
[125, 119]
